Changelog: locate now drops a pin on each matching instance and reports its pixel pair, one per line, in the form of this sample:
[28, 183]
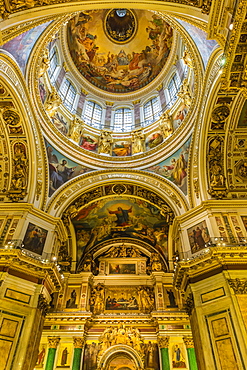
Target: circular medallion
[120, 25]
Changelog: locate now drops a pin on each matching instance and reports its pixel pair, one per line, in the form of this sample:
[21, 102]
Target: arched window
[68, 94]
[151, 111]
[53, 64]
[122, 120]
[93, 114]
[173, 87]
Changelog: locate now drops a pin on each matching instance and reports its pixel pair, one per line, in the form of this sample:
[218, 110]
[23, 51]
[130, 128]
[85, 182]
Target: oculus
[120, 25]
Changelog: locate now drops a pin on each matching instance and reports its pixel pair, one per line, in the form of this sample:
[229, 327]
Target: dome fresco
[119, 55]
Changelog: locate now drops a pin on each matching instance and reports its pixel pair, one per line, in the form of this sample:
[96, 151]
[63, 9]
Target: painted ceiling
[119, 52]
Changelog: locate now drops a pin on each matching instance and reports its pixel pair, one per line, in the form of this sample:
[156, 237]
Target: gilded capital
[78, 342]
[188, 341]
[163, 342]
[238, 285]
[53, 342]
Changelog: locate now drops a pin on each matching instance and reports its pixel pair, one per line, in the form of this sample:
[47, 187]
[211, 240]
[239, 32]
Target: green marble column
[78, 345]
[164, 344]
[191, 353]
[52, 343]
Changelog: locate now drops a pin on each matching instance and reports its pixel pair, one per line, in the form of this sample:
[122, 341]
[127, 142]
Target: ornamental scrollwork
[189, 304]
[163, 342]
[189, 342]
[19, 181]
[78, 342]
[53, 342]
[43, 305]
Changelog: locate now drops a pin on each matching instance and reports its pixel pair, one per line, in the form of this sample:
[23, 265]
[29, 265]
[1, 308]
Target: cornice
[209, 263]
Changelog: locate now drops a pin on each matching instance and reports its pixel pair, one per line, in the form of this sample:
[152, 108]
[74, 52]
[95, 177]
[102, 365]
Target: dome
[119, 51]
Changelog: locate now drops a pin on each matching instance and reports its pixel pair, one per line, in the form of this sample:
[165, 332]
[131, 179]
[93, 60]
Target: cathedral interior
[123, 185]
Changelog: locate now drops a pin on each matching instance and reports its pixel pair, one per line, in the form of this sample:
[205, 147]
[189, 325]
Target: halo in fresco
[115, 67]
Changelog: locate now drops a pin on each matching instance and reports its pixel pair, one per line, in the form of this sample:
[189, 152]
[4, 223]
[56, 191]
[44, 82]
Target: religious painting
[151, 359]
[64, 355]
[103, 49]
[175, 167]
[60, 123]
[41, 356]
[153, 140]
[244, 219]
[242, 122]
[179, 116]
[121, 148]
[126, 268]
[61, 169]
[115, 217]
[72, 297]
[121, 362]
[91, 356]
[42, 90]
[21, 46]
[198, 236]
[34, 239]
[89, 142]
[121, 299]
[178, 357]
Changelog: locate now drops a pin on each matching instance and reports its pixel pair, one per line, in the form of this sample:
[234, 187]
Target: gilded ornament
[239, 286]
[19, 179]
[12, 120]
[138, 139]
[78, 342]
[105, 143]
[165, 124]
[52, 102]
[43, 305]
[45, 63]
[163, 342]
[189, 304]
[53, 342]
[97, 298]
[188, 341]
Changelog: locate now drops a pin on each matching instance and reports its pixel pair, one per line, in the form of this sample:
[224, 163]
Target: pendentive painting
[198, 236]
[119, 50]
[61, 169]
[175, 167]
[115, 217]
[34, 239]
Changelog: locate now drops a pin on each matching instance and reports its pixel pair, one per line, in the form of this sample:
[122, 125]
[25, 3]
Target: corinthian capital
[163, 342]
[188, 341]
[53, 342]
[78, 342]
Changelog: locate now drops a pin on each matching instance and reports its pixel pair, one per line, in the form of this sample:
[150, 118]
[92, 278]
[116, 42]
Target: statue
[146, 299]
[45, 63]
[75, 129]
[217, 179]
[166, 124]
[97, 299]
[137, 141]
[105, 143]
[187, 59]
[184, 93]
[52, 102]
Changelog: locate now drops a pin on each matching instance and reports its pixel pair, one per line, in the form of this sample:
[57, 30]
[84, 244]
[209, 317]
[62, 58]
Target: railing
[19, 245]
[212, 243]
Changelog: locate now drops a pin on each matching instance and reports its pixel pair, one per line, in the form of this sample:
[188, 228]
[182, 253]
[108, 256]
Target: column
[189, 343]
[163, 343]
[108, 113]
[137, 113]
[81, 102]
[52, 343]
[162, 96]
[78, 345]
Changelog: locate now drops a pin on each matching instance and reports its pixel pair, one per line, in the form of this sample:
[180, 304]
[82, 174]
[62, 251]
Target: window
[53, 64]
[68, 93]
[151, 111]
[173, 87]
[93, 114]
[122, 120]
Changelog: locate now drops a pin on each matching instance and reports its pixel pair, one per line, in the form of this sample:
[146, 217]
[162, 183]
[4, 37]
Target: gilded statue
[138, 139]
[123, 251]
[184, 93]
[121, 335]
[97, 299]
[45, 63]
[146, 299]
[52, 102]
[165, 124]
[217, 179]
[187, 59]
[75, 129]
[20, 173]
[105, 142]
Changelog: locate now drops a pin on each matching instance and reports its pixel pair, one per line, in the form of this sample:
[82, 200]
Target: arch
[111, 352]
